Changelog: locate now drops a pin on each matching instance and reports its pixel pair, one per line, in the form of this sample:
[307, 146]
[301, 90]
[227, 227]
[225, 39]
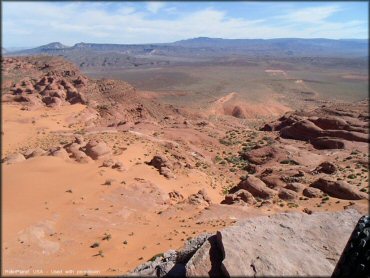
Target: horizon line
[201, 37]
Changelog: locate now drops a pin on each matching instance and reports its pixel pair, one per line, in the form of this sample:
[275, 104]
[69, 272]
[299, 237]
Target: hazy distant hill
[44, 49]
[288, 46]
[203, 49]
[219, 47]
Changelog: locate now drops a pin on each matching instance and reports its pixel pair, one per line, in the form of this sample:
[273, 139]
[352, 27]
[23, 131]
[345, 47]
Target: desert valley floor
[99, 175]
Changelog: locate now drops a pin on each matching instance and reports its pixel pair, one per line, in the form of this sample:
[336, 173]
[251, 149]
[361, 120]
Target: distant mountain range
[93, 56]
[217, 47]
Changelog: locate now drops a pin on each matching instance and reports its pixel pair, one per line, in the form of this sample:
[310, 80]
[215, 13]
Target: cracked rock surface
[286, 244]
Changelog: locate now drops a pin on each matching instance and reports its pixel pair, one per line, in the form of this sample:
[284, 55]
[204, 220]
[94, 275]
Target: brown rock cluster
[339, 189]
[79, 150]
[163, 165]
[53, 91]
[52, 84]
[323, 128]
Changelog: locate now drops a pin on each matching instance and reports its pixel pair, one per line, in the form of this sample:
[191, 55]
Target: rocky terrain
[109, 172]
[287, 244]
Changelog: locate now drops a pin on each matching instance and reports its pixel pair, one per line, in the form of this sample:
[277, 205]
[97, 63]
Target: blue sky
[36, 23]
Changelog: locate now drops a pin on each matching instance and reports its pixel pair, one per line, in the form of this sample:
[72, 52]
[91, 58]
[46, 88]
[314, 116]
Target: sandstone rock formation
[35, 153]
[239, 197]
[175, 196]
[311, 192]
[14, 158]
[256, 187]
[264, 154]
[97, 149]
[295, 186]
[286, 194]
[339, 189]
[326, 167]
[163, 165]
[199, 198]
[61, 84]
[324, 128]
[287, 244]
[59, 152]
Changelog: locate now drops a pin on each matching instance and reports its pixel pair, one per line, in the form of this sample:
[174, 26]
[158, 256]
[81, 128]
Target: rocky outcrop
[239, 197]
[62, 83]
[97, 149]
[175, 196]
[287, 244]
[35, 153]
[326, 168]
[163, 165]
[263, 155]
[199, 198]
[273, 181]
[77, 150]
[339, 189]
[324, 128]
[295, 186]
[14, 158]
[256, 187]
[286, 194]
[302, 130]
[171, 263]
[59, 152]
[274, 245]
[327, 143]
[311, 192]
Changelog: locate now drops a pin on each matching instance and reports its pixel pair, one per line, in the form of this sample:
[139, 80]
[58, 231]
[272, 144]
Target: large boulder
[163, 165]
[289, 244]
[326, 168]
[264, 154]
[256, 187]
[286, 194]
[273, 181]
[322, 143]
[302, 130]
[59, 152]
[199, 198]
[97, 149]
[206, 262]
[295, 186]
[347, 135]
[330, 122]
[35, 153]
[239, 197]
[311, 192]
[339, 189]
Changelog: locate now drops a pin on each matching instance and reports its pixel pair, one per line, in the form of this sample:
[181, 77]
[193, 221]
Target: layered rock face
[49, 81]
[287, 244]
[325, 128]
[51, 84]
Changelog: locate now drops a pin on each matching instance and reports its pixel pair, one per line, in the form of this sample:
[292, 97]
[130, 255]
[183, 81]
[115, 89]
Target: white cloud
[311, 14]
[154, 7]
